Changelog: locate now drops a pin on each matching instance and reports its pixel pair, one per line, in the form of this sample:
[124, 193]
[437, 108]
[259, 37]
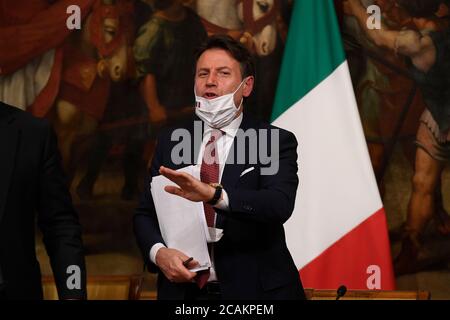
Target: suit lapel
[232, 169]
[9, 138]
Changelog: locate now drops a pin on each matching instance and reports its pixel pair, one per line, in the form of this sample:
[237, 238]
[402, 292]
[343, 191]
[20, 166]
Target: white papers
[182, 222]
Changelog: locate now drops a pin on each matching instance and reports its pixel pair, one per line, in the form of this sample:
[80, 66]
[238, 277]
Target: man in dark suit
[251, 203]
[32, 182]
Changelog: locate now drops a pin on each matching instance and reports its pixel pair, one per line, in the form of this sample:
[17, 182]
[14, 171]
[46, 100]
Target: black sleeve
[59, 224]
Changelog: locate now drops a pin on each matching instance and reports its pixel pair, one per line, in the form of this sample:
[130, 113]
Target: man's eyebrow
[218, 69]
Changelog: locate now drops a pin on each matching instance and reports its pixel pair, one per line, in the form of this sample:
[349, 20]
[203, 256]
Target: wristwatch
[217, 194]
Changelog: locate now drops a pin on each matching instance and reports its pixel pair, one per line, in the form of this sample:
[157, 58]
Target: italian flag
[337, 234]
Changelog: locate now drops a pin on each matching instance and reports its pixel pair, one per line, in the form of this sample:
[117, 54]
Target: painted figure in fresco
[64, 74]
[122, 133]
[381, 91]
[93, 57]
[30, 64]
[253, 23]
[428, 60]
[164, 53]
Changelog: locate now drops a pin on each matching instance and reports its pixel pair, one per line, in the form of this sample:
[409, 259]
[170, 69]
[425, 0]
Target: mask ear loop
[242, 99]
[240, 85]
[240, 104]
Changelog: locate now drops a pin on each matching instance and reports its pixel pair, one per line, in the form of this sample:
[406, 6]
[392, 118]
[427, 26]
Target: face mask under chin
[218, 112]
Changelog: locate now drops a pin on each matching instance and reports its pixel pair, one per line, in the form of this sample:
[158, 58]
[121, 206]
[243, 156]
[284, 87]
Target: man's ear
[248, 86]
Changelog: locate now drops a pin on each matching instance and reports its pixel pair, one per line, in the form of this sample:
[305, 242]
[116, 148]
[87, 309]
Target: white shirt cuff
[154, 251]
[224, 203]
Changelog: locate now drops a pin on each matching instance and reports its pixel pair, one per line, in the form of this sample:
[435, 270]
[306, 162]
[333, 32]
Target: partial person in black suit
[32, 184]
[252, 202]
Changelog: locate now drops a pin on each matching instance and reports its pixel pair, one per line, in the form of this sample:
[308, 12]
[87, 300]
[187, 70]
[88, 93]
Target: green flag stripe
[313, 51]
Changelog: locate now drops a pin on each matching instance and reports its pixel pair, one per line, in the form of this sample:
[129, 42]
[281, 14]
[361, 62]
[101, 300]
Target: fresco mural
[402, 95]
[109, 87]
[112, 85]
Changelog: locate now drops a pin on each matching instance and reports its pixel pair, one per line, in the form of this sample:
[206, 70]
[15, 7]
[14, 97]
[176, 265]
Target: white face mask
[218, 112]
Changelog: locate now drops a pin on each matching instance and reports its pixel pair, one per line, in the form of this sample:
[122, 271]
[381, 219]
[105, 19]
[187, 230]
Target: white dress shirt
[224, 144]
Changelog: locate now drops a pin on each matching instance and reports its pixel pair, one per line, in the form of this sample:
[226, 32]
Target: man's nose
[211, 81]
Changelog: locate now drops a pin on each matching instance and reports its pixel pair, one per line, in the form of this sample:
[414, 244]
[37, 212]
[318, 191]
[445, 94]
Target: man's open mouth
[210, 95]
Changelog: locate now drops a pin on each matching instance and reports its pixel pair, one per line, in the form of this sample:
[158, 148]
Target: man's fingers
[174, 190]
[189, 262]
[180, 274]
[193, 264]
[182, 277]
[188, 275]
[169, 173]
[180, 178]
[185, 273]
[171, 263]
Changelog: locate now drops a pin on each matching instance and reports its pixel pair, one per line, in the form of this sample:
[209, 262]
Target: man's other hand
[170, 261]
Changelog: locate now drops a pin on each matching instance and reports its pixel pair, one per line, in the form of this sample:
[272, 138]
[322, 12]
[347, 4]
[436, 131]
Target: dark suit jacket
[251, 260]
[32, 181]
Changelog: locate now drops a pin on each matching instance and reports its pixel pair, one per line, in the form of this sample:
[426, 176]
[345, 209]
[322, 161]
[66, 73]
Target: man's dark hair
[421, 8]
[234, 48]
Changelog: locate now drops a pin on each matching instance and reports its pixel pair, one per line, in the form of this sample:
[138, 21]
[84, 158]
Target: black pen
[185, 263]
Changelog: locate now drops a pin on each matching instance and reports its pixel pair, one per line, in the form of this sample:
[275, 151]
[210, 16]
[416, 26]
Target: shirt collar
[230, 130]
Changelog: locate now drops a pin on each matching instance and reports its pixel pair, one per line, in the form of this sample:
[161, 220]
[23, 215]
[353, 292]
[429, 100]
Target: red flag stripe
[346, 262]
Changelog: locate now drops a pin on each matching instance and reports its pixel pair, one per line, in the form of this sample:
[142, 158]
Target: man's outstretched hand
[189, 187]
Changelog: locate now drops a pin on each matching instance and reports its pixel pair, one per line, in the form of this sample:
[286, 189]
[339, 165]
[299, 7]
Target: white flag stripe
[337, 189]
